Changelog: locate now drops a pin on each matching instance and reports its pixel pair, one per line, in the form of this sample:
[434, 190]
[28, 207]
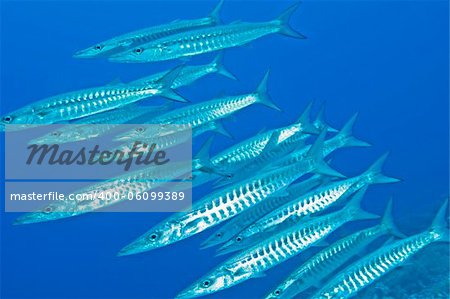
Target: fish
[191, 73]
[306, 205]
[252, 263]
[343, 139]
[120, 187]
[207, 40]
[135, 38]
[227, 202]
[98, 124]
[166, 140]
[326, 261]
[86, 102]
[271, 152]
[246, 151]
[241, 221]
[195, 115]
[371, 268]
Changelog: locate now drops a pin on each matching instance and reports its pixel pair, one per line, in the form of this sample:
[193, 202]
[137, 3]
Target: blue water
[387, 60]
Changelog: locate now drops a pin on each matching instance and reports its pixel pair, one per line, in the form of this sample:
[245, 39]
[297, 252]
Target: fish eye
[219, 234]
[206, 283]
[153, 237]
[239, 239]
[277, 292]
[139, 50]
[7, 119]
[140, 129]
[56, 133]
[98, 47]
[48, 209]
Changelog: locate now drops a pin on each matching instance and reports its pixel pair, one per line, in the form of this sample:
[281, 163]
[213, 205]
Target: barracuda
[343, 139]
[196, 115]
[331, 258]
[191, 73]
[294, 144]
[78, 104]
[275, 250]
[314, 202]
[135, 38]
[369, 269]
[208, 40]
[225, 203]
[247, 150]
[238, 223]
[165, 141]
[120, 187]
[99, 124]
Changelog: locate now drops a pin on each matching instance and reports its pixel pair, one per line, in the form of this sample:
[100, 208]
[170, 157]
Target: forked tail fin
[320, 122]
[440, 224]
[354, 207]
[285, 28]
[346, 134]
[305, 121]
[263, 95]
[214, 15]
[166, 84]
[316, 154]
[220, 129]
[388, 222]
[217, 63]
[373, 175]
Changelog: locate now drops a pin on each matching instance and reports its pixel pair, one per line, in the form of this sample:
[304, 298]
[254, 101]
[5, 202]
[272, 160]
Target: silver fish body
[206, 40]
[218, 207]
[288, 214]
[271, 252]
[199, 114]
[98, 124]
[78, 104]
[371, 268]
[326, 261]
[308, 204]
[238, 223]
[246, 151]
[119, 188]
[132, 39]
[190, 74]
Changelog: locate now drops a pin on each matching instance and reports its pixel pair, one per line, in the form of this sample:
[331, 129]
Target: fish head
[49, 212]
[96, 50]
[60, 136]
[238, 242]
[288, 288]
[219, 279]
[21, 119]
[134, 134]
[161, 235]
[147, 53]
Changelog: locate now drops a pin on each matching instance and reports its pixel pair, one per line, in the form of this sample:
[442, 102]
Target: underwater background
[387, 60]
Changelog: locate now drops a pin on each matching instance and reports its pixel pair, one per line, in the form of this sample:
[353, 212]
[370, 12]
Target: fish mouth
[29, 218]
[227, 248]
[211, 242]
[187, 293]
[136, 247]
[82, 54]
